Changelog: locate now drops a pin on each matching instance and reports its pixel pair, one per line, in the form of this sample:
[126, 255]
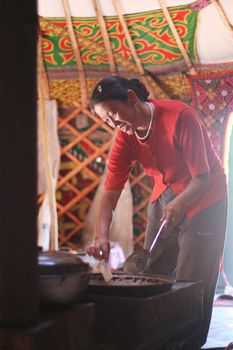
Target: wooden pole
[41, 70]
[50, 181]
[43, 94]
[19, 302]
[106, 39]
[177, 37]
[78, 57]
[138, 62]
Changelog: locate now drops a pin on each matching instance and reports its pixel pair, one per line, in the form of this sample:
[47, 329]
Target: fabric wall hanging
[212, 98]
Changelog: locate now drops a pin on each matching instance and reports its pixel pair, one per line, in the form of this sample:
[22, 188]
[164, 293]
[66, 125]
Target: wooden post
[18, 248]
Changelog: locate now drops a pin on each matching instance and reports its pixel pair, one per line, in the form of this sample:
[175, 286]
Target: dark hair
[116, 87]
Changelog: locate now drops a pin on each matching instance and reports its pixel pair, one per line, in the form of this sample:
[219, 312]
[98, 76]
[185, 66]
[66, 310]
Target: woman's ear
[132, 97]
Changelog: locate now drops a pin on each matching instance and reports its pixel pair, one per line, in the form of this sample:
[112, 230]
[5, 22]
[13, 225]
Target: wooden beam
[177, 37]
[78, 57]
[104, 32]
[50, 184]
[138, 62]
[41, 71]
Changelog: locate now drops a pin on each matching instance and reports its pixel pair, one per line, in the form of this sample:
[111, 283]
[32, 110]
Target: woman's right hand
[100, 249]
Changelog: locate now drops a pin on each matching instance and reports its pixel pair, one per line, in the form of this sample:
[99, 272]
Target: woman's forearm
[104, 220]
[101, 247]
[175, 209]
[195, 188]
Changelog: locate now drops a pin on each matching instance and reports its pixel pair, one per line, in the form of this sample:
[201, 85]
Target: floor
[221, 327]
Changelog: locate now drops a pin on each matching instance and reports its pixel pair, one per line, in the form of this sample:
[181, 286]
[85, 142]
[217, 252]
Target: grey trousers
[191, 250]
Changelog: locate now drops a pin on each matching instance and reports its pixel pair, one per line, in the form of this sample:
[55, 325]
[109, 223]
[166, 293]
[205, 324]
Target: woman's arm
[175, 209]
[191, 143]
[100, 249]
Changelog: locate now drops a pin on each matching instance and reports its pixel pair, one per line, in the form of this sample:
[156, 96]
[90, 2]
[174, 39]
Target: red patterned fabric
[212, 98]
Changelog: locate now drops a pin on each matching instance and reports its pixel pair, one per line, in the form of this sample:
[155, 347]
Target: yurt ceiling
[133, 36]
[179, 48]
[213, 39]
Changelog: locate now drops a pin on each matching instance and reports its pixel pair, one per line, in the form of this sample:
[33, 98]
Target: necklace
[149, 127]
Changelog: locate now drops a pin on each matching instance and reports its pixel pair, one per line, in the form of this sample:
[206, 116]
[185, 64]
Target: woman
[190, 191]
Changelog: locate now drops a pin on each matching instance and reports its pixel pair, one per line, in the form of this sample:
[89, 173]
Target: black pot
[63, 278]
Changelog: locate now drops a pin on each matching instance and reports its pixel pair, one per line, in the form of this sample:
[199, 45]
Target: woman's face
[118, 114]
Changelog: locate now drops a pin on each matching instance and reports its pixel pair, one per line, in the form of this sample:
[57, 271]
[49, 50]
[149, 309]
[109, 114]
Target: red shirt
[177, 149]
